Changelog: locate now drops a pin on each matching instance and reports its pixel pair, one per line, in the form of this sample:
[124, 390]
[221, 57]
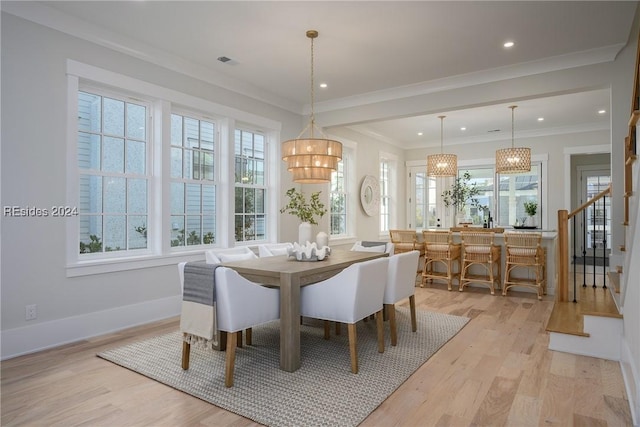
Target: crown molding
[49, 17]
[556, 63]
[494, 137]
[54, 19]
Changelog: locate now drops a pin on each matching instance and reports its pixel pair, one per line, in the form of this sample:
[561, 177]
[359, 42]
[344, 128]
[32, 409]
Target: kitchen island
[549, 243]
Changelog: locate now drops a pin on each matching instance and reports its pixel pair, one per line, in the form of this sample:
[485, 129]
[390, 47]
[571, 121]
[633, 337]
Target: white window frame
[392, 191]
[542, 207]
[414, 167]
[444, 183]
[344, 164]
[216, 166]
[264, 186]
[158, 250]
[348, 155]
[148, 175]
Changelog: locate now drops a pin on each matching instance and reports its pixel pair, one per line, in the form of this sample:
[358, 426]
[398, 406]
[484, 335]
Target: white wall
[630, 362]
[33, 174]
[368, 163]
[630, 359]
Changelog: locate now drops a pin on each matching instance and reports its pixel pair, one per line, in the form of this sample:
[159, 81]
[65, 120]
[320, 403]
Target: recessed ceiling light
[463, 128]
[419, 133]
[324, 85]
[508, 44]
[541, 119]
[602, 111]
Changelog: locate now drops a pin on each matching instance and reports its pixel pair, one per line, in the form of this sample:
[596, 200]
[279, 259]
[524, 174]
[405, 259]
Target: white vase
[322, 240]
[304, 233]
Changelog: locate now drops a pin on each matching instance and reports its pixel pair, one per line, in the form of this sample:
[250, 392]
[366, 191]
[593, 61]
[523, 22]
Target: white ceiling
[365, 48]
[561, 114]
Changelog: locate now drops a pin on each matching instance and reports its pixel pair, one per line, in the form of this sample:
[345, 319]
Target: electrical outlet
[31, 312]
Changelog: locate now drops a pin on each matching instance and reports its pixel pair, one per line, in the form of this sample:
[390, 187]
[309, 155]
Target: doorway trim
[579, 150]
[581, 190]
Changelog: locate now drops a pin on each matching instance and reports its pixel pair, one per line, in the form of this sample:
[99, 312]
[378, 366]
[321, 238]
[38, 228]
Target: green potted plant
[530, 208]
[462, 194]
[305, 210]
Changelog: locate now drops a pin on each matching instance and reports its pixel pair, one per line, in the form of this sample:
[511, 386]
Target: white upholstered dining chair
[367, 246]
[216, 256]
[274, 249]
[240, 304]
[401, 284]
[349, 296]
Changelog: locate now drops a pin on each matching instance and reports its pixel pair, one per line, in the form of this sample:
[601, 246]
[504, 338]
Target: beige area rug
[323, 392]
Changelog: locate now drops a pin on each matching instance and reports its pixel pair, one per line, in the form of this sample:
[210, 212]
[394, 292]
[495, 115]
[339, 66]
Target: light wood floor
[568, 317]
[496, 372]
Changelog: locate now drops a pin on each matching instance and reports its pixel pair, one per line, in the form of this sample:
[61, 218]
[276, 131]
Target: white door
[597, 218]
[423, 210]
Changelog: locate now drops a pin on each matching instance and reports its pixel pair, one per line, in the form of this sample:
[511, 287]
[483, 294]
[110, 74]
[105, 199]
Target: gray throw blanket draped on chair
[198, 316]
[372, 244]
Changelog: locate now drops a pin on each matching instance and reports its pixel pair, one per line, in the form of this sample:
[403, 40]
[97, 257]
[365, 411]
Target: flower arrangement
[462, 193]
[305, 210]
[531, 208]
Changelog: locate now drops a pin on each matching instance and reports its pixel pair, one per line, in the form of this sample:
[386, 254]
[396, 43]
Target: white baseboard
[616, 299]
[631, 378]
[615, 260]
[44, 335]
[604, 342]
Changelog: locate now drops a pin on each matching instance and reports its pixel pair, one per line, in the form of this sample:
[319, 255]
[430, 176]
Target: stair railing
[564, 217]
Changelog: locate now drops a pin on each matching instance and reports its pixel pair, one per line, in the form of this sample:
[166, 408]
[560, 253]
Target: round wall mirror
[370, 195]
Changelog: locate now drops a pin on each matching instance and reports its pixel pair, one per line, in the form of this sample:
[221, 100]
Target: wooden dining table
[290, 275]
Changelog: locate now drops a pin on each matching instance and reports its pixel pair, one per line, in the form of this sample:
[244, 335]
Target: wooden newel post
[563, 256]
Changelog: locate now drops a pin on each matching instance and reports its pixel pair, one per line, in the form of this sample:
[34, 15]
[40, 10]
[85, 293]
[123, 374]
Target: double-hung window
[157, 171]
[483, 179]
[342, 196]
[113, 172]
[504, 200]
[250, 186]
[514, 191]
[388, 188]
[338, 199]
[193, 190]
[425, 200]
[385, 197]
[500, 195]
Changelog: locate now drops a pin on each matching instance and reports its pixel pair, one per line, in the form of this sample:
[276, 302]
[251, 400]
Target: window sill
[102, 266]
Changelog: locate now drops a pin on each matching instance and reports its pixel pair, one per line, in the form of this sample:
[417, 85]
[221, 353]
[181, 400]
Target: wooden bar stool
[478, 249]
[440, 249]
[406, 241]
[524, 250]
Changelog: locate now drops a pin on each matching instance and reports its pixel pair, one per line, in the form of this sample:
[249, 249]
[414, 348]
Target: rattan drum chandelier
[311, 160]
[513, 160]
[442, 164]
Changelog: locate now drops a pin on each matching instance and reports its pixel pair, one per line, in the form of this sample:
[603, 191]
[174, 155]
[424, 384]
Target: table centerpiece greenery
[306, 211]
